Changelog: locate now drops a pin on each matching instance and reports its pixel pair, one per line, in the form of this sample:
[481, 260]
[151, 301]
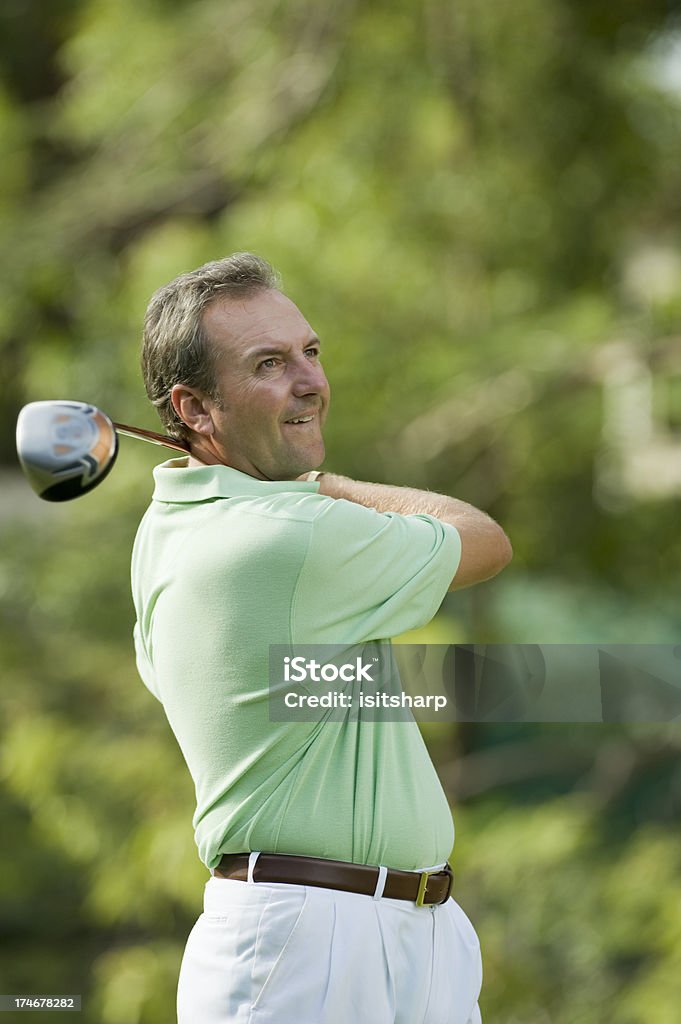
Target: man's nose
[310, 379]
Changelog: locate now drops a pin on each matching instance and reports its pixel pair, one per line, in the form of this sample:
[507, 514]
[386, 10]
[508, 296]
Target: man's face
[268, 374]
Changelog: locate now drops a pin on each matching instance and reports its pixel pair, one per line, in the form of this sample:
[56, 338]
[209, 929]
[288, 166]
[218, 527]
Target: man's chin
[305, 462]
[288, 464]
[295, 470]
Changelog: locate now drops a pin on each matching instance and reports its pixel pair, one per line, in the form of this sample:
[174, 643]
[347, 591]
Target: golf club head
[65, 448]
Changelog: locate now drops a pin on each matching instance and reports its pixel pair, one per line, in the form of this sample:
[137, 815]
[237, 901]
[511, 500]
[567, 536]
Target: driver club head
[65, 448]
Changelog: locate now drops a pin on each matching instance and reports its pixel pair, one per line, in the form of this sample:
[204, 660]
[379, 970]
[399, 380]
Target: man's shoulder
[280, 518]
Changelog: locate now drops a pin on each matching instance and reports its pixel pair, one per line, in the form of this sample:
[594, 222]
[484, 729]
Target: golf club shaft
[149, 435]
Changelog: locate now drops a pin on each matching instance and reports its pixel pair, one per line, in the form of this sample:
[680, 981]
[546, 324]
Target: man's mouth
[301, 419]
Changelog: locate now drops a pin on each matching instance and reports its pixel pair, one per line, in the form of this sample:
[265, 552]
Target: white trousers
[270, 953]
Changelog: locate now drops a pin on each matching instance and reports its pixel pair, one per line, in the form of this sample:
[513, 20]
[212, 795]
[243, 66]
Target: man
[327, 840]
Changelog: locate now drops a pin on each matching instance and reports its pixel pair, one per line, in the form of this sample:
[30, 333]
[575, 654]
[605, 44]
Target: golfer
[327, 840]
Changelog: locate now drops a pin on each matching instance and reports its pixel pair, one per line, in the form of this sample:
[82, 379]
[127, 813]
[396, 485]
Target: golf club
[67, 448]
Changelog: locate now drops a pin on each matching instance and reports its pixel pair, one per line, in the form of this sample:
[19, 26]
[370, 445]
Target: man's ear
[193, 408]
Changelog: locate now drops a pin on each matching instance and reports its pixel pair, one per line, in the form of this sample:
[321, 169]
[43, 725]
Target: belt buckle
[423, 886]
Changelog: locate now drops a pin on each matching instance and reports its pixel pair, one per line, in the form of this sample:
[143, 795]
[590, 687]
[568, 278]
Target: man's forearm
[405, 500]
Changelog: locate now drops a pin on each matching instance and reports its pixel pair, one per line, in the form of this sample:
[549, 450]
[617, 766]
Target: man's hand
[485, 548]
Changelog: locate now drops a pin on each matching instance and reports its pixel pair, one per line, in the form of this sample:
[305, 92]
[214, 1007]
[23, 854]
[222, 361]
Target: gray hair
[175, 347]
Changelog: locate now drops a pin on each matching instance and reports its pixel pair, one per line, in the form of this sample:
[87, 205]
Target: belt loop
[252, 858]
[380, 882]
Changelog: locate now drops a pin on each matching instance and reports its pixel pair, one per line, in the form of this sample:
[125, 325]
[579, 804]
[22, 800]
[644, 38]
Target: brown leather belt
[425, 888]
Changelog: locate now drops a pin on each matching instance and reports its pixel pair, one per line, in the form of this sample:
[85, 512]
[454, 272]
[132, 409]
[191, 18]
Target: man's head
[229, 361]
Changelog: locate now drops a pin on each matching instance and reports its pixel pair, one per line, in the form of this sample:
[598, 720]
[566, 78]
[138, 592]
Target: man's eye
[268, 363]
[312, 351]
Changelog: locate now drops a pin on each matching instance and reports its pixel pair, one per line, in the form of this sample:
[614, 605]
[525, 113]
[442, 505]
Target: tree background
[478, 208]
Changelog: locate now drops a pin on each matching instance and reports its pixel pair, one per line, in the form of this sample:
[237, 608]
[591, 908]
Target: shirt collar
[177, 482]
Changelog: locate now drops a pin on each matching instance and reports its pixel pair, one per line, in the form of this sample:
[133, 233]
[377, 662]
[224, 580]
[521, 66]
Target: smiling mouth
[300, 419]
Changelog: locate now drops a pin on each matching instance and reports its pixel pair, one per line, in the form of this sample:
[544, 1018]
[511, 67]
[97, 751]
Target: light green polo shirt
[225, 565]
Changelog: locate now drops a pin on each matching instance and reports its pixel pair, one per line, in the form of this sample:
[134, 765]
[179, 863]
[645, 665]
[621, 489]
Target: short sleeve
[371, 575]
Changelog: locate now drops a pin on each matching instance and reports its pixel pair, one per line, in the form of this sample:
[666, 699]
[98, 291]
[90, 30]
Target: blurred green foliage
[477, 207]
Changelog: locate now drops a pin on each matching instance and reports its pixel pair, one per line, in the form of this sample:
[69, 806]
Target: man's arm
[485, 548]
